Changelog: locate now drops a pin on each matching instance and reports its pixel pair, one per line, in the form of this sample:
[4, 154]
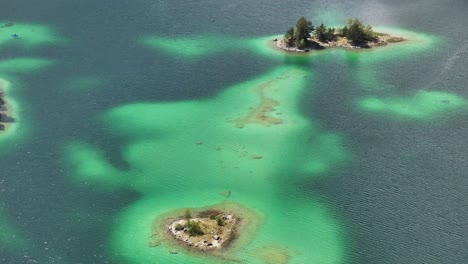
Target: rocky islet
[5, 111]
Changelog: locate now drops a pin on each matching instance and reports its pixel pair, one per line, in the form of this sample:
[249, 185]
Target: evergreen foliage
[357, 33]
[325, 34]
[331, 34]
[289, 37]
[187, 214]
[299, 37]
[321, 33]
[220, 221]
[194, 228]
[303, 29]
[354, 31]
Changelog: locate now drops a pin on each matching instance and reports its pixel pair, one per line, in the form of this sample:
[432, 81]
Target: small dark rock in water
[226, 194]
[173, 252]
[2, 127]
[275, 39]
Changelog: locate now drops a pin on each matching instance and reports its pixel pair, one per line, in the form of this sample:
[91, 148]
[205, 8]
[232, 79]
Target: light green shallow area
[21, 65]
[193, 47]
[185, 154]
[312, 235]
[30, 35]
[424, 105]
[196, 47]
[363, 63]
[415, 44]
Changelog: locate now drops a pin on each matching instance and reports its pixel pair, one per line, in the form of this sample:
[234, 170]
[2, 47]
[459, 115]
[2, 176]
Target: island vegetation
[354, 34]
[5, 111]
[208, 230]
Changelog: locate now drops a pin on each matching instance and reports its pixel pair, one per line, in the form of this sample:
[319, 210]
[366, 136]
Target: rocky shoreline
[218, 230]
[5, 111]
[209, 231]
[341, 42]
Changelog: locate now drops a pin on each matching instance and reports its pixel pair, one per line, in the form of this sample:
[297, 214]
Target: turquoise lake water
[129, 109]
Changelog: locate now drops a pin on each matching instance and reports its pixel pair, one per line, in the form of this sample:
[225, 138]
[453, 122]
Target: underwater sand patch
[272, 254]
[261, 114]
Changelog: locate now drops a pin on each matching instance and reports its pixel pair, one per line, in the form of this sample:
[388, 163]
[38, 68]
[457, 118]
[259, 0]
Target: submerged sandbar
[261, 113]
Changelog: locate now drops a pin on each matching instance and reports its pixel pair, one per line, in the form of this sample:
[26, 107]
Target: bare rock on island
[207, 231]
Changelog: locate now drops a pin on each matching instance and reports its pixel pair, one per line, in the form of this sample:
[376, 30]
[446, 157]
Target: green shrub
[357, 33]
[289, 37]
[179, 227]
[187, 214]
[194, 228]
[300, 44]
[220, 221]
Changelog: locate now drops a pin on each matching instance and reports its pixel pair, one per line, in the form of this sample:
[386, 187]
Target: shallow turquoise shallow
[186, 154]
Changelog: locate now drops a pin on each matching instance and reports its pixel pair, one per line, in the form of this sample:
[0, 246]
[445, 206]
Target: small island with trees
[209, 230]
[354, 35]
[5, 111]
